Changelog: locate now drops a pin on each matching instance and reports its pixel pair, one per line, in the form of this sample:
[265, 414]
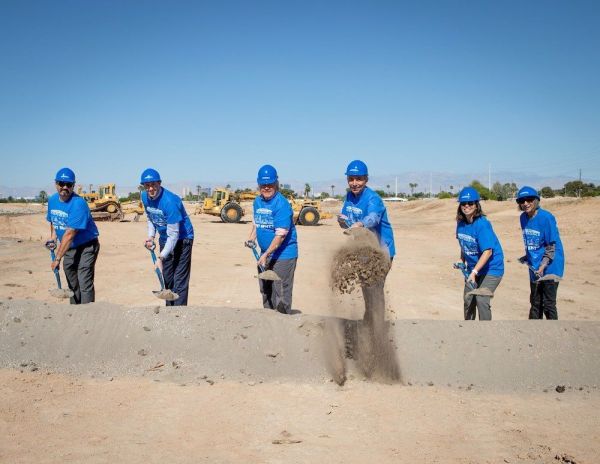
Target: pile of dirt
[361, 264]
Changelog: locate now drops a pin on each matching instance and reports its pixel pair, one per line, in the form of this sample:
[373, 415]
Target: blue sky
[208, 91]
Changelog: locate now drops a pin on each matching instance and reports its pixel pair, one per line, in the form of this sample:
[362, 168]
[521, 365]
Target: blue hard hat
[65, 175]
[527, 191]
[468, 194]
[267, 174]
[149, 175]
[357, 168]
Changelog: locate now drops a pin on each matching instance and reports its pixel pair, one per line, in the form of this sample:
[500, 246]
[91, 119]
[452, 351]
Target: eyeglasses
[267, 186]
[65, 184]
[526, 199]
[147, 185]
[467, 203]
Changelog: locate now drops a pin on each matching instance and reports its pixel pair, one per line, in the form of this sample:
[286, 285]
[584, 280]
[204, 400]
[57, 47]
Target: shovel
[265, 274]
[57, 292]
[163, 293]
[474, 291]
[552, 277]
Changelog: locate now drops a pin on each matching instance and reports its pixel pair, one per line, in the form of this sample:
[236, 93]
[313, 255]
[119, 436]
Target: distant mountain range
[437, 181]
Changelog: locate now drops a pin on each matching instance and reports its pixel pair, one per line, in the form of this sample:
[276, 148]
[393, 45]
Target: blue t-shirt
[72, 214]
[165, 209]
[539, 232]
[474, 239]
[275, 213]
[369, 209]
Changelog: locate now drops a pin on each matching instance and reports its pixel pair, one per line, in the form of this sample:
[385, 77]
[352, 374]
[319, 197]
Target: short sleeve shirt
[474, 239]
[73, 214]
[272, 214]
[165, 209]
[538, 232]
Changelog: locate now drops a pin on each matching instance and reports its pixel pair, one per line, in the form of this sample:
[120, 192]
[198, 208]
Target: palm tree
[388, 189]
[412, 186]
[306, 190]
[332, 187]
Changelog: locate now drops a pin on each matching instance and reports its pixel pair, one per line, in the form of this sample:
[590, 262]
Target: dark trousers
[543, 300]
[79, 265]
[277, 294]
[177, 268]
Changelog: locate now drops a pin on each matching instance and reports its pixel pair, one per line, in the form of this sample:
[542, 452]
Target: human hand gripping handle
[252, 245]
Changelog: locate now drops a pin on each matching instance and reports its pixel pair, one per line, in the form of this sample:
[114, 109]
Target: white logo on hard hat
[149, 176]
[64, 176]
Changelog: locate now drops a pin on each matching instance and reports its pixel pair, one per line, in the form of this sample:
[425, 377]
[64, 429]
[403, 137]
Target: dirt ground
[52, 413]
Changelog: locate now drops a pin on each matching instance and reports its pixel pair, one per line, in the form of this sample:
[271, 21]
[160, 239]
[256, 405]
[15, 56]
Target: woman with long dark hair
[480, 252]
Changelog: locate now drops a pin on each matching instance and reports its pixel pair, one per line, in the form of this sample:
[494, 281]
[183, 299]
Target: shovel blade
[268, 275]
[61, 293]
[481, 292]
[165, 294]
[552, 277]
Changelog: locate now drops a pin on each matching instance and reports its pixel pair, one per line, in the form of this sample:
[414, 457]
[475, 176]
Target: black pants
[177, 268]
[543, 300]
[79, 265]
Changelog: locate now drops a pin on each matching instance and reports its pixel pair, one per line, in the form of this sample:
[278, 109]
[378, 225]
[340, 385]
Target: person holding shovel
[364, 208]
[543, 253]
[480, 253]
[167, 216]
[273, 227]
[72, 225]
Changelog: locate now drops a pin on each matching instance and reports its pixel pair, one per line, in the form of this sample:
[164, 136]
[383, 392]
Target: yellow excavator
[105, 205]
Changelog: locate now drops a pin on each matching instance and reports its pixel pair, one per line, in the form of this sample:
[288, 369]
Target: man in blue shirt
[543, 252]
[364, 208]
[167, 216]
[273, 227]
[72, 225]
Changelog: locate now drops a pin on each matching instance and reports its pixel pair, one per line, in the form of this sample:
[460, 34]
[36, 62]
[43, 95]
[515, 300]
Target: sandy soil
[71, 390]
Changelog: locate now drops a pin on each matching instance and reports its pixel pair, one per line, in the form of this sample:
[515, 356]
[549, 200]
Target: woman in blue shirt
[543, 253]
[480, 252]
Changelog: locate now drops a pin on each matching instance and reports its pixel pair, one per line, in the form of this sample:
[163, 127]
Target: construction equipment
[105, 205]
[58, 292]
[307, 212]
[225, 204]
[473, 290]
[163, 293]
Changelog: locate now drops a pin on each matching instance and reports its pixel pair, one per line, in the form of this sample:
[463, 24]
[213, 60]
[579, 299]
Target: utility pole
[430, 184]
[490, 177]
[396, 187]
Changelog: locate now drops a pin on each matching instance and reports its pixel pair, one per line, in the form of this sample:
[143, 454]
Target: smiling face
[357, 184]
[153, 188]
[528, 205]
[65, 190]
[267, 190]
[468, 208]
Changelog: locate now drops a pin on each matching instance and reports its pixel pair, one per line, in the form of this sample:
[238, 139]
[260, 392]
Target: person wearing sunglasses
[273, 227]
[72, 226]
[480, 252]
[543, 252]
[167, 216]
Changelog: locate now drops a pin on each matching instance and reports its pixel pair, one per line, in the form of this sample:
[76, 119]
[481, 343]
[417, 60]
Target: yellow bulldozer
[225, 204]
[105, 205]
[307, 212]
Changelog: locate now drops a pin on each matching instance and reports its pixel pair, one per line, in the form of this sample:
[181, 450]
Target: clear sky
[209, 91]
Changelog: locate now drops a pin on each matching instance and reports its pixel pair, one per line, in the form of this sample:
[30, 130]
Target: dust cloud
[361, 264]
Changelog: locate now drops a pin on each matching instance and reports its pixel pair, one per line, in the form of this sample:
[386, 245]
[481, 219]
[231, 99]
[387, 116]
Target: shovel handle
[56, 273]
[465, 273]
[157, 270]
[257, 257]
